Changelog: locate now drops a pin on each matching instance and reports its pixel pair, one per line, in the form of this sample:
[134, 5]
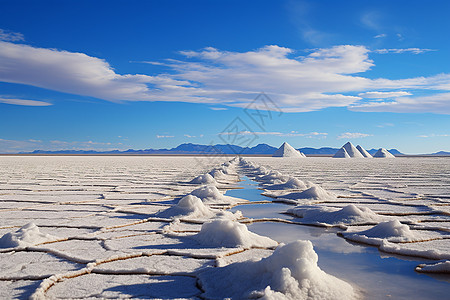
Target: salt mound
[287, 150]
[261, 170]
[189, 205]
[313, 193]
[228, 233]
[217, 174]
[273, 177]
[349, 215]
[28, 235]
[291, 272]
[292, 183]
[383, 153]
[364, 152]
[203, 179]
[341, 153]
[350, 150]
[390, 229]
[209, 194]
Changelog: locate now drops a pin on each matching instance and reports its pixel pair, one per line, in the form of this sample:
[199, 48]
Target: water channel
[379, 275]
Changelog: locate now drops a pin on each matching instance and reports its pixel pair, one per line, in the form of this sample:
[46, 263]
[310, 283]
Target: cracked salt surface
[113, 239]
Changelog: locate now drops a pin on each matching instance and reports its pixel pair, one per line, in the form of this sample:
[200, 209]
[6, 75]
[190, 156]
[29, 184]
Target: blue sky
[154, 74]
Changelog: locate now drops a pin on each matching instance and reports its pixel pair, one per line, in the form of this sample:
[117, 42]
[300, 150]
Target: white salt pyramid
[352, 151]
[364, 152]
[383, 153]
[341, 153]
[287, 150]
[348, 151]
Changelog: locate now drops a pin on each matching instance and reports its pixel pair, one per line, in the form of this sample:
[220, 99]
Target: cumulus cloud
[325, 77]
[70, 72]
[353, 135]
[24, 102]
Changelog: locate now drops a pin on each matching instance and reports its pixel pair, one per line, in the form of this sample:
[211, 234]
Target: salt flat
[106, 226]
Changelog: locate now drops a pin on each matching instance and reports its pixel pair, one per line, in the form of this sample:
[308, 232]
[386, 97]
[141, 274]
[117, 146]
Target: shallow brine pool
[380, 275]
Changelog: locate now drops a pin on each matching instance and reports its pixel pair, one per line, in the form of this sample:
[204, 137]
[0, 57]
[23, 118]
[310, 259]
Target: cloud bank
[326, 77]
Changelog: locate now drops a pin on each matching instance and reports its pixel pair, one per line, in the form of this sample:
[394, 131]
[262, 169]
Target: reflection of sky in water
[380, 275]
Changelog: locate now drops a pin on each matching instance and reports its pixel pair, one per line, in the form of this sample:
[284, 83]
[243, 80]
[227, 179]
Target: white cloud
[381, 95]
[437, 103]
[164, 136]
[218, 108]
[433, 135]
[327, 77]
[353, 135]
[70, 72]
[24, 102]
[378, 36]
[10, 36]
[405, 50]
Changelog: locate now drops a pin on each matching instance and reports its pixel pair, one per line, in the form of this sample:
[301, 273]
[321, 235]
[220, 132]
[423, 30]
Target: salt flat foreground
[159, 227]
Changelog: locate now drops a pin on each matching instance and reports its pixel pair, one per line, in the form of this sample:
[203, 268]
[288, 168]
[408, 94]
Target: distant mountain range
[441, 153]
[189, 148]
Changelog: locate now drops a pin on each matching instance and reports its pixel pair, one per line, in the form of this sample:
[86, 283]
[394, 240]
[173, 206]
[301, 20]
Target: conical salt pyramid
[363, 152]
[341, 153]
[352, 151]
[287, 150]
[383, 153]
[348, 151]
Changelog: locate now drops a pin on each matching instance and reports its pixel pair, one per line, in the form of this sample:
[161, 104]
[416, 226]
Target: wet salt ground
[379, 274]
[116, 191]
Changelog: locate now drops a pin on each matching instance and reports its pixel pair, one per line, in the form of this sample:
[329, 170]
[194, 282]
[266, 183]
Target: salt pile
[383, 153]
[349, 215]
[28, 235]
[341, 153]
[292, 183]
[188, 206]
[227, 233]
[313, 193]
[204, 179]
[392, 231]
[209, 194]
[363, 152]
[348, 151]
[287, 150]
[273, 177]
[291, 272]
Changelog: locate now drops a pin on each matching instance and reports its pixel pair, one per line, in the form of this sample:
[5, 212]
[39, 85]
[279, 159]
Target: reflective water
[378, 275]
